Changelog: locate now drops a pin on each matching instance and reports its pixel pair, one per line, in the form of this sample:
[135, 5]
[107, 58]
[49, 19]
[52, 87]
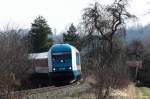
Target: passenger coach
[64, 63]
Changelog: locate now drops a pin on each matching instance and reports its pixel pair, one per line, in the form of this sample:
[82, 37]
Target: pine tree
[39, 35]
[71, 37]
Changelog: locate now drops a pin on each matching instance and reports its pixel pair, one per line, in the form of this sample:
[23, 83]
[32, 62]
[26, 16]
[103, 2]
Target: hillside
[139, 32]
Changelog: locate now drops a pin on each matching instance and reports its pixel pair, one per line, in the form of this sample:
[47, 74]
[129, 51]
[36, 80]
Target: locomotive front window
[61, 56]
[56, 57]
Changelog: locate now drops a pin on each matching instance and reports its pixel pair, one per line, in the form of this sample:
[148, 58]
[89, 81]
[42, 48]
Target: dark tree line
[139, 52]
[40, 35]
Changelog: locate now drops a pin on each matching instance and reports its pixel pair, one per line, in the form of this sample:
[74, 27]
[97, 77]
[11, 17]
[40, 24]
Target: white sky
[58, 13]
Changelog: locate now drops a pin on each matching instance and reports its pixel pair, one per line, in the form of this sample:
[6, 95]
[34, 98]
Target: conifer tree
[39, 35]
[72, 37]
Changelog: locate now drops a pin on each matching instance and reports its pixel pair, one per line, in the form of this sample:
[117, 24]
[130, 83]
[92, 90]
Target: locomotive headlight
[54, 69]
[70, 68]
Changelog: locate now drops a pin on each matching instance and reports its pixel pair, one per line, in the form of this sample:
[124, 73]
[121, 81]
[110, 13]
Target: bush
[14, 63]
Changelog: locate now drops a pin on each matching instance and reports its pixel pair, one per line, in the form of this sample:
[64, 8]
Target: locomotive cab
[64, 63]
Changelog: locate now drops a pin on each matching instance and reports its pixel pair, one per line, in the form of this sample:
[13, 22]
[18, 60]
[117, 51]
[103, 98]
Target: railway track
[51, 91]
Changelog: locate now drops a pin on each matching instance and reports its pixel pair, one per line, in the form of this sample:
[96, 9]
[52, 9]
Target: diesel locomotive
[64, 63]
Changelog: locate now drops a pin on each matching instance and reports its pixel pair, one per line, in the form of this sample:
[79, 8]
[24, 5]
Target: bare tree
[102, 25]
[14, 63]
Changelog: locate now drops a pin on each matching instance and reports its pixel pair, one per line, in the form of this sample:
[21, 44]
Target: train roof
[43, 55]
[61, 47]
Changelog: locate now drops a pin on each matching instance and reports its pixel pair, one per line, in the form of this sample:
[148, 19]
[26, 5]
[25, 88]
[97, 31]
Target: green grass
[144, 93]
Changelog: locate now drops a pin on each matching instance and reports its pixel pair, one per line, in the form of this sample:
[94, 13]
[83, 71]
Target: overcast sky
[58, 13]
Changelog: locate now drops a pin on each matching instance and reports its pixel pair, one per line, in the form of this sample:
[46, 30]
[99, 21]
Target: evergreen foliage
[72, 37]
[39, 35]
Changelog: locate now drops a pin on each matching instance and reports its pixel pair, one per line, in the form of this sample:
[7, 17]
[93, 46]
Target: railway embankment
[54, 92]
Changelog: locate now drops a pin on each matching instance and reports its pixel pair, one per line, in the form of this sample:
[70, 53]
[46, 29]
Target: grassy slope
[144, 93]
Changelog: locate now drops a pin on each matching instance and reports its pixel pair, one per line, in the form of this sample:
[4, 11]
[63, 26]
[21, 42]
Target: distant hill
[139, 32]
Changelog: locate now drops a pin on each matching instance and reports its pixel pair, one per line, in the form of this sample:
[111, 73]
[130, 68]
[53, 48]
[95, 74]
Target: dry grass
[87, 95]
[130, 92]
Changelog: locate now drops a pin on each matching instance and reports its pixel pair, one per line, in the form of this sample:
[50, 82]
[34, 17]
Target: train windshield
[61, 56]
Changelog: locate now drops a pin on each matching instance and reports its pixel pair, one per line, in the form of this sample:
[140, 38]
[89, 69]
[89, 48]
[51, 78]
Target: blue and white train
[64, 63]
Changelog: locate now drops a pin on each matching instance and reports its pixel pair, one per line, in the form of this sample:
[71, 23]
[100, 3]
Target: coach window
[77, 58]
